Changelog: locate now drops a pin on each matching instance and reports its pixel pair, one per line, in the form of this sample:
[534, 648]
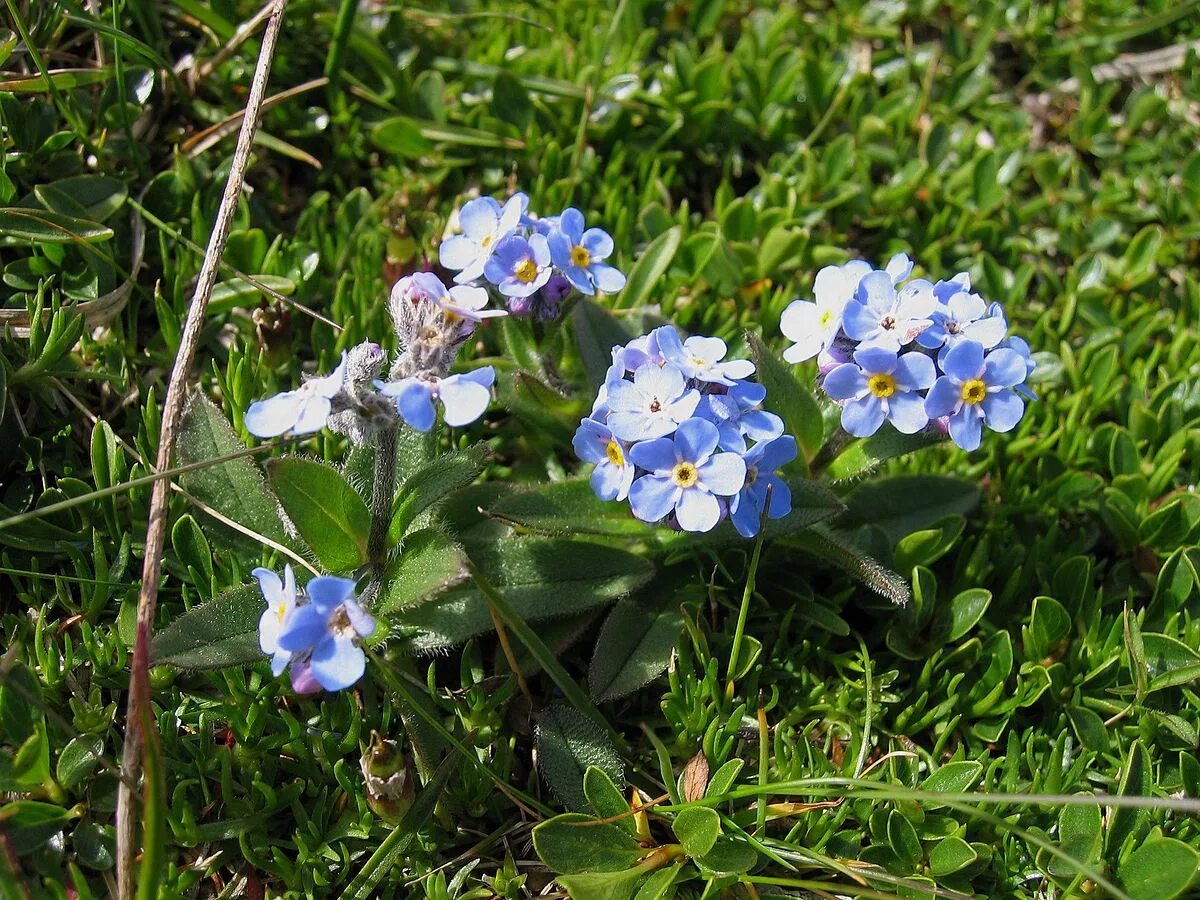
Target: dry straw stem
[139, 686]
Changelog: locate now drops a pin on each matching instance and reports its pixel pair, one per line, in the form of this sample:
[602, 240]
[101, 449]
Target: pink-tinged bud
[303, 680]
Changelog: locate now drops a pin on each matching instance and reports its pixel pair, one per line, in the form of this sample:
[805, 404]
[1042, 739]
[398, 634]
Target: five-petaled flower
[738, 414]
[323, 636]
[702, 358]
[880, 385]
[302, 411]
[519, 266]
[652, 405]
[977, 390]
[884, 316]
[960, 316]
[762, 461]
[281, 603]
[594, 442]
[686, 476]
[813, 324]
[580, 254]
[484, 223]
[464, 397]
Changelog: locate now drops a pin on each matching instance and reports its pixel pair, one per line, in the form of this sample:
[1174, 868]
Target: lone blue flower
[520, 265]
[464, 397]
[484, 223]
[977, 390]
[323, 636]
[686, 476]
[302, 411]
[880, 385]
[281, 603]
[594, 442]
[580, 254]
[762, 461]
[652, 405]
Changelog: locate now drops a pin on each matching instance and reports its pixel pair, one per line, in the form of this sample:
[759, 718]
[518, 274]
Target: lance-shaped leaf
[568, 742]
[904, 504]
[830, 546]
[433, 482]
[864, 456]
[788, 397]
[222, 632]
[541, 579]
[567, 507]
[635, 644]
[428, 564]
[236, 487]
[651, 266]
[328, 513]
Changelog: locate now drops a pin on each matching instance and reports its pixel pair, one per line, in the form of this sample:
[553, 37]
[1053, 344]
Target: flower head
[323, 635]
[519, 266]
[963, 316]
[686, 476]
[580, 254]
[484, 223]
[281, 603]
[880, 385]
[977, 389]
[738, 414]
[302, 411]
[594, 442]
[464, 397]
[762, 461]
[652, 405]
[883, 316]
[701, 358]
[813, 324]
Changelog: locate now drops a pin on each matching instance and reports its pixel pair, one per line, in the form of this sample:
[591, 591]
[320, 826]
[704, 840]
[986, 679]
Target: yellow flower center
[281, 612]
[526, 271]
[616, 455]
[882, 385]
[486, 241]
[751, 475]
[825, 319]
[973, 391]
[685, 475]
[580, 257]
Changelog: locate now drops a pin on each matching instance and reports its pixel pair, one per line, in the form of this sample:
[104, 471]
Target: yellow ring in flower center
[973, 391]
[615, 454]
[882, 385]
[580, 257]
[685, 475]
[526, 270]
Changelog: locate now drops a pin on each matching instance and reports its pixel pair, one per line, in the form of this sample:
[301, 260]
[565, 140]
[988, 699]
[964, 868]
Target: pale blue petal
[943, 398]
[338, 663]
[877, 293]
[464, 398]
[560, 248]
[844, 382]
[859, 322]
[363, 622]
[571, 224]
[760, 425]
[781, 497]
[963, 361]
[658, 455]
[328, 591]
[580, 279]
[907, 412]
[737, 368]
[724, 474]
[273, 416]
[988, 332]
[875, 360]
[776, 453]
[270, 585]
[862, 417]
[597, 243]
[608, 279]
[899, 267]
[314, 410]
[591, 440]
[695, 440]
[458, 252]
[964, 307]
[414, 402]
[279, 661]
[479, 217]
[652, 497]
[1003, 410]
[966, 428]
[1003, 368]
[303, 629]
[697, 510]
[745, 513]
[665, 382]
[914, 372]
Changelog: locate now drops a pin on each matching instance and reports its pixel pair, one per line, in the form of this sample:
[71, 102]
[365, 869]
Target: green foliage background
[1052, 644]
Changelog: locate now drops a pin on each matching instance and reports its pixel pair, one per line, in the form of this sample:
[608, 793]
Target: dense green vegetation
[1050, 645]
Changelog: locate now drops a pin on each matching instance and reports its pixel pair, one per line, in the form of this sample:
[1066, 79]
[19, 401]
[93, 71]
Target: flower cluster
[911, 352]
[679, 431]
[533, 262]
[316, 630]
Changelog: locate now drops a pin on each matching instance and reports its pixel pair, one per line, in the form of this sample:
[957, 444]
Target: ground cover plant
[663, 449]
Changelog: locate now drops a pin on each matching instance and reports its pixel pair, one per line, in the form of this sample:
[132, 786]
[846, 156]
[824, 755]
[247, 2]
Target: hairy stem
[383, 494]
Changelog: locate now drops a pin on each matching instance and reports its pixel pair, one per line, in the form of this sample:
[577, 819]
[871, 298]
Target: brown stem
[138, 699]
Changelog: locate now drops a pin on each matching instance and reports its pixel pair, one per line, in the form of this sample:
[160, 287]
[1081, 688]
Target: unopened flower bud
[388, 777]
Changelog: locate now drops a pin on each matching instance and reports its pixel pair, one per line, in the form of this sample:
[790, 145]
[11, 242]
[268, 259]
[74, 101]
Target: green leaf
[788, 397]
[832, 547]
[429, 563]
[27, 824]
[657, 886]
[1160, 869]
[634, 646]
[697, 829]
[728, 857]
[330, 516]
[411, 137]
[568, 742]
[222, 632]
[597, 331]
[573, 843]
[652, 264]
[602, 885]
[902, 838]
[237, 293]
[1049, 625]
[866, 455]
[721, 781]
[78, 760]
[1080, 836]
[605, 798]
[98, 195]
[1136, 781]
[41, 226]
[235, 488]
[903, 504]
[540, 577]
[952, 778]
[966, 609]
[433, 482]
[950, 855]
[566, 508]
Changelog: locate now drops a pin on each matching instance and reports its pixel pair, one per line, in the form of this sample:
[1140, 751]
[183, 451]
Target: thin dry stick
[139, 685]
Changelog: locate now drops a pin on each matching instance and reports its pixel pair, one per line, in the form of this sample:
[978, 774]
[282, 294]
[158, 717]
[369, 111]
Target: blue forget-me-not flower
[302, 411]
[881, 385]
[977, 390]
[519, 265]
[579, 254]
[762, 462]
[464, 397]
[323, 636]
[484, 223]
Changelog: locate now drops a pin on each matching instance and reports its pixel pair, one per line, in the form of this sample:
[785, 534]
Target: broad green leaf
[28, 769]
[951, 855]
[235, 488]
[722, 780]
[222, 632]
[330, 516]
[597, 331]
[99, 196]
[431, 483]
[865, 455]
[1136, 781]
[634, 646]
[78, 760]
[429, 563]
[541, 578]
[1165, 654]
[41, 226]
[952, 778]
[1160, 869]
[573, 843]
[788, 397]
[903, 840]
[27, 824]
[568, 743]
[697, 829]
[903, 504]
[728, 857]
[659, 884]
[1080, 836]
[605, 798]
[566, 508]
[602, 885]
[966, 609]
[652, 264]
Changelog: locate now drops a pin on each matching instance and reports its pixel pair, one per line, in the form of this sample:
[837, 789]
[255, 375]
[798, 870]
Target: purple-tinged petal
[844, 382]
